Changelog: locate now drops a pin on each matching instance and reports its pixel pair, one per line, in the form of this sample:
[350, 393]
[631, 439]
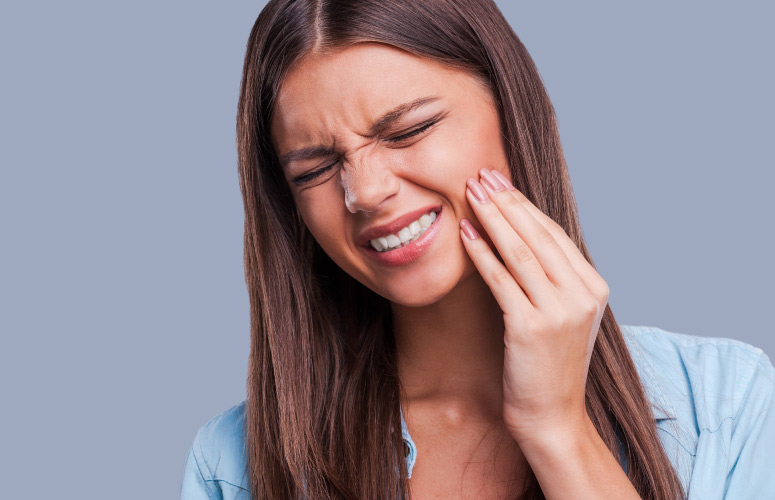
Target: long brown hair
[323, 403]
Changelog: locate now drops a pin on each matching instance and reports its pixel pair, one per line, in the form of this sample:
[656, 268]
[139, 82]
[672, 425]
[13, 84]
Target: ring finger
[518, 258]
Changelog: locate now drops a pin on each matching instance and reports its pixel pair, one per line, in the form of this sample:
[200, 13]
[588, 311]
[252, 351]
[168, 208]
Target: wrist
[556, 439]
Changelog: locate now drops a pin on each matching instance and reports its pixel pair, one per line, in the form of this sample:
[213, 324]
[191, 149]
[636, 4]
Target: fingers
[518, 258]
[510, 297]
[586, 272]
[528, 249]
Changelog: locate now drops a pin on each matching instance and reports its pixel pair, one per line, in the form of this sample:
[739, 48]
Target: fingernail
[503, 180]
[477, 190]
[468, 229]
[491, 181]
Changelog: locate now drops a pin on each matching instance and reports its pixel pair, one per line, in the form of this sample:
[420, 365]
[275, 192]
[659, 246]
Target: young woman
[426, 319]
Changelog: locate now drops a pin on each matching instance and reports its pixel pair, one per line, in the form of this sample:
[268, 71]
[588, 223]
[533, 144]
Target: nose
[367, 183]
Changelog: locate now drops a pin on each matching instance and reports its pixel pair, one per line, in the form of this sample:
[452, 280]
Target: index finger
[583, 268]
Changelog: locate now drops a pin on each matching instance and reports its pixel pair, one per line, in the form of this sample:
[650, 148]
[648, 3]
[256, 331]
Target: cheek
[438, 163]
[323, 216]
[481, 143]
[445, 161]
[322, 228]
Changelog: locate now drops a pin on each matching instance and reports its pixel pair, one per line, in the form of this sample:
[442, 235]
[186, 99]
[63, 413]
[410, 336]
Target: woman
[415, 262]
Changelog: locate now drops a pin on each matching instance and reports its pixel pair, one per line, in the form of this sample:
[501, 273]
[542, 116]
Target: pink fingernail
[491, 181]
[503, 180]
[477, 190]
[468, 229]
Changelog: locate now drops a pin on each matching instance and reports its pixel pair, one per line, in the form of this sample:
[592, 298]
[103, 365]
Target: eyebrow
[378, 127]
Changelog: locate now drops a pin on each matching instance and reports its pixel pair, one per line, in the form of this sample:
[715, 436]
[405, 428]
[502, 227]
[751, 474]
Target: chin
[421, 291]
[417, 299]
[419, 287]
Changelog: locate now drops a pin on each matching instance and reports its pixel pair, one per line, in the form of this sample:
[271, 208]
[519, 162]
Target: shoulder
[711, 399]
[708, 376]
[219, 449]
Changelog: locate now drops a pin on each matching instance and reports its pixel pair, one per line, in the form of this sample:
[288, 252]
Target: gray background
[124, 313]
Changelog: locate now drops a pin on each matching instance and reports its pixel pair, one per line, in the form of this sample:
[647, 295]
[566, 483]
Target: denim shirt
[712, 399]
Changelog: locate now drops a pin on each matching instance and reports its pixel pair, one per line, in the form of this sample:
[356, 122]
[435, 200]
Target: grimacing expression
[383, 133]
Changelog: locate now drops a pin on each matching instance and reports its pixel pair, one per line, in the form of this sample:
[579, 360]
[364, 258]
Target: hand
[552, 301]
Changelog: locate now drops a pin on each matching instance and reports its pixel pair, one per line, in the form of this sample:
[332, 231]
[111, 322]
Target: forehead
[325, 94]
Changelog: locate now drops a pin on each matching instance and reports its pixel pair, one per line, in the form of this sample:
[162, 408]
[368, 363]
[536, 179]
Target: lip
[411, 252]
[395, 225]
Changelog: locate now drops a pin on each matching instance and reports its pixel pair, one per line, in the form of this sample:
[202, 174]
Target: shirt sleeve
[752, 450]
[195, 486]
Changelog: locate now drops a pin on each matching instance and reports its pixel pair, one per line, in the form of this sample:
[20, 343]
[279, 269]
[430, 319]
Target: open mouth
[406, 235]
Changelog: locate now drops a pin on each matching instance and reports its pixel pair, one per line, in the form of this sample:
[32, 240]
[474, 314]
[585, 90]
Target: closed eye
[412, 133]
[303, 179]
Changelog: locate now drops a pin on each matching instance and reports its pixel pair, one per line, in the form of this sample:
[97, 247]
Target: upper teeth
[405, 235]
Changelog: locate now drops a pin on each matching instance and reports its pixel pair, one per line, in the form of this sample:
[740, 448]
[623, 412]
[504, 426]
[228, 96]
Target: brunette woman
[426, 319]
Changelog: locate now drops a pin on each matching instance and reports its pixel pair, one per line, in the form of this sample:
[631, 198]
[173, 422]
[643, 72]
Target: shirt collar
[662, 407]
[410, 450]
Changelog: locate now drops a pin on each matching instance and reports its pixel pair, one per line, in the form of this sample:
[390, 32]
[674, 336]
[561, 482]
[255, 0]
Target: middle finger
[516, 255]
[541, 242]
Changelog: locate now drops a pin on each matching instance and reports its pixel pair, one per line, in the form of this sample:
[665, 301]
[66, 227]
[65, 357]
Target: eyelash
[303, 179]
[412, 133]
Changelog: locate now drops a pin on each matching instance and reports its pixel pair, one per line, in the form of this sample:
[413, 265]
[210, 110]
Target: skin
[493, 356]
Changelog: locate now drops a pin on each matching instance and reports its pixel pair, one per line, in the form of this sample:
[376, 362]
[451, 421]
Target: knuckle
[554, 225]
[530, 327]
[561, 321]
[604, 291]
[521, 254]
[501, 276]
[482, 249]
[545, 236]
[589, 308]
[556, 231]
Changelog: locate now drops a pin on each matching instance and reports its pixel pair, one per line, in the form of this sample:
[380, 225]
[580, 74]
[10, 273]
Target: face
[370, 138]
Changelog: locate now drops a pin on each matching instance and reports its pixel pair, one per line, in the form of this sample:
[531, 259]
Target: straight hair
[323, 413]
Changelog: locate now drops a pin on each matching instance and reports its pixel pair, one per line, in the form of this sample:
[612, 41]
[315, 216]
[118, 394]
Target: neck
[450, 353]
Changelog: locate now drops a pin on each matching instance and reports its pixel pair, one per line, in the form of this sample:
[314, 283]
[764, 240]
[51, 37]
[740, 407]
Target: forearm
[576, 463]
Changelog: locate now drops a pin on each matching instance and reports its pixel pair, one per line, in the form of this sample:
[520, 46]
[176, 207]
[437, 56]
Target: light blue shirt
[713, 401]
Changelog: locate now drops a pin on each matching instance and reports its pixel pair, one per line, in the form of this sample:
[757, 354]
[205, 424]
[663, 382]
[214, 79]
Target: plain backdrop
[124, 313]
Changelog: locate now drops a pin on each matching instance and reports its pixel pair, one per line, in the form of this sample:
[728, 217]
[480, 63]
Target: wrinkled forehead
[341, 91]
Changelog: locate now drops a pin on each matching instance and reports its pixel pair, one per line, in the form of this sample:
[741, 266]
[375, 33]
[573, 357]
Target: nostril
[365, 191]
[349, 195]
